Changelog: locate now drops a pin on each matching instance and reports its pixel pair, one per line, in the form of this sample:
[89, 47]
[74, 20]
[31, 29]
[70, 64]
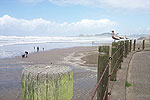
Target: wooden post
[134, 45]
[41, 82]
[110, 52]
[143, 46]
[122, 50]
[119, 54]
[126, 48]
[103, 60]
[104, 49]
[130, 45]
[114, 63]
[120, 47]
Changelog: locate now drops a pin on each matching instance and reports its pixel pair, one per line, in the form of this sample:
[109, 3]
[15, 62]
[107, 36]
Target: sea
[11, 46]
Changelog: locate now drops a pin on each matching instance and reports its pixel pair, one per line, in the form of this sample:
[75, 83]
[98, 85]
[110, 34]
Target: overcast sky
[73, 17]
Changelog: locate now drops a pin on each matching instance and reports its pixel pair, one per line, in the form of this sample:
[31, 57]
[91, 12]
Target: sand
[56, 56]
[82, 60]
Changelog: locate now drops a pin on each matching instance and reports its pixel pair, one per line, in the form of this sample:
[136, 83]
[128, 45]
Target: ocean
[11, 46]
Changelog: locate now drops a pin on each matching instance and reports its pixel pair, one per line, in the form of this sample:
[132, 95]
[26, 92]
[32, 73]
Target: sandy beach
[82, 60]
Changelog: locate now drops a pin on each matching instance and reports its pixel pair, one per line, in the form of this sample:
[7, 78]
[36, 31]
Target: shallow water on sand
[10, 82]
[11, 69]
[17, 50]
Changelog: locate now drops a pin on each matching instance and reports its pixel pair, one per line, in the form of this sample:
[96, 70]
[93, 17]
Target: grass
[128, 84]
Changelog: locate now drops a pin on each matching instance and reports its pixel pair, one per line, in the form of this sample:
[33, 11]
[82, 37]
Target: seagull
[114, 36]
[126, 37]
[121, 37]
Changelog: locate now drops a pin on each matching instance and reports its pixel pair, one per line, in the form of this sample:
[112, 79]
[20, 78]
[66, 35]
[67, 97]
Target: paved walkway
[139, 77]
[119, 89]
[136, 70]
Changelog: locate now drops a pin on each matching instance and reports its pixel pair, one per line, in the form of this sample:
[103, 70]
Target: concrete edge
[128, 69]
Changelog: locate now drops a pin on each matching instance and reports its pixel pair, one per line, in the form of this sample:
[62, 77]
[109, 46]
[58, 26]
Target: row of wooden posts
[109, 62]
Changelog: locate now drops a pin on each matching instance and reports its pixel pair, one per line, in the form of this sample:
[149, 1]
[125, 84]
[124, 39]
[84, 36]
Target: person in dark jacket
[38, 49]
[26, 54]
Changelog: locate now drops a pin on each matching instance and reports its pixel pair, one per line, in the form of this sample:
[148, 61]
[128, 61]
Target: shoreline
[64, 52]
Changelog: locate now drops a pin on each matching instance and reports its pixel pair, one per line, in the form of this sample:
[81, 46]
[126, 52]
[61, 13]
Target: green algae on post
[43, 82]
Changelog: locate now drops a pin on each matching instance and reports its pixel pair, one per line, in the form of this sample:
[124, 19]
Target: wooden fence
[108, 65]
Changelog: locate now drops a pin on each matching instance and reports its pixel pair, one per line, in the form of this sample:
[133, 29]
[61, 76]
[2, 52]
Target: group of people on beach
[25, 55]
[38, 49]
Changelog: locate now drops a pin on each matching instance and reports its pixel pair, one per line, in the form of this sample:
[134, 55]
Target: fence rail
[109, 65]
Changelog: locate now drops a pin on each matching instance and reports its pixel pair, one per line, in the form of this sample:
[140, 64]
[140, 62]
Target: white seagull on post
[121, 37]
[126, 37]
[114, 36]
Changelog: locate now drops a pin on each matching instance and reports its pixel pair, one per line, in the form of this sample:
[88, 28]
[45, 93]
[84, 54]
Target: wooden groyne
[109, 64]
[41, 82]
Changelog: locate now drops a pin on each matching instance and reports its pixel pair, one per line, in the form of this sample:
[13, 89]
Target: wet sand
[82, 60]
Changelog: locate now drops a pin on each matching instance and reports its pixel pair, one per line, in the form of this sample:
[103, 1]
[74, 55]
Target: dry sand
[82, 60]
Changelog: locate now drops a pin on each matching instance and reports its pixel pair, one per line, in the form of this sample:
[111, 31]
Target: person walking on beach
[92, 43]
[38, 49]
[26, 54]
[34, 48]
[43, 49]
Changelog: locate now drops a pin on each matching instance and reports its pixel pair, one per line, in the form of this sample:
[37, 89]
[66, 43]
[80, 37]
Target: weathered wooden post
[120, 53]
[143, 46]
[134, 44]
[122, 50]
[126, 48]
[130, 46]
[103, 60]
[114, 62]
[43, 82]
